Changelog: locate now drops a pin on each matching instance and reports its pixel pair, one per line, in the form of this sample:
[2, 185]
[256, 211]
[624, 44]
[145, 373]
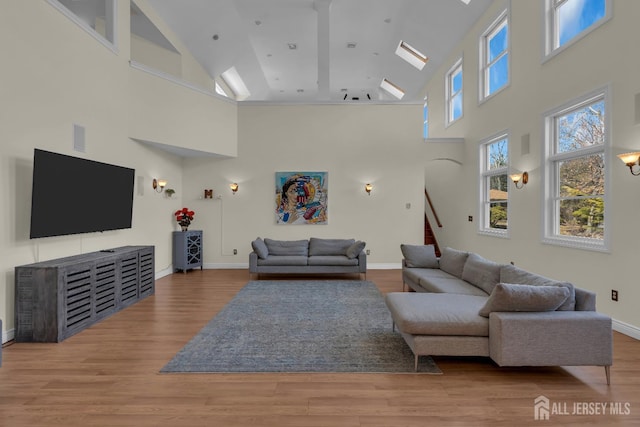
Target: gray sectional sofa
[316, 255]
[465, 305]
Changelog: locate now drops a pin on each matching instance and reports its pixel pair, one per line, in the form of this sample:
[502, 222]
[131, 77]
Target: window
[494, 189]
[96, 17]
[576, 141]
[453, 88]
[494, 57]
[425, 116]
[570, 20]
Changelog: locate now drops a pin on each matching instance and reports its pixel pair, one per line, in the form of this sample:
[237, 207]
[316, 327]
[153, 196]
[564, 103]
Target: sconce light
[519, 179]
[234, 187]
[631, 159]
[368, 188]
[159, 184]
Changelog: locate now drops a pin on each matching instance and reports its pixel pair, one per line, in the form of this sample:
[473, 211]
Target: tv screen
[73, 195]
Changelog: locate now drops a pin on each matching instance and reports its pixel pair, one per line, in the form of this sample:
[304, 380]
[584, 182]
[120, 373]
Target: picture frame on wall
[301, 198]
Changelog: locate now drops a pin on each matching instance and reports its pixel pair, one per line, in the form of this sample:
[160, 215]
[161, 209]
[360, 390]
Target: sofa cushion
[451, 285]
[332, 260]
[481, 272]
[419, 256]
[285, 260]
[515, 297]
[287, 247]
[452, 261]
[329, 246]
[512, 274]
[260, 248]
[354, 250]
[437, 314]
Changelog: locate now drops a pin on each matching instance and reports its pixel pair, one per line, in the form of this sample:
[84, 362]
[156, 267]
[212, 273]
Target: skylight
[411, 55]
[392, 88]
[235, 82]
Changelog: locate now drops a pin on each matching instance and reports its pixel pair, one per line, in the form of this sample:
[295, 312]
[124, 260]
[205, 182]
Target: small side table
[187, 250]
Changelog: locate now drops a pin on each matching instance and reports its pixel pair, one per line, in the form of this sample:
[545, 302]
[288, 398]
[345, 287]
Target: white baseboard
[8, 335]
[627, 329]
[162, 273]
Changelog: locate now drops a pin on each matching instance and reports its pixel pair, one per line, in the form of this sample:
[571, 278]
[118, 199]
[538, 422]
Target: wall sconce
[519, 179]
[234, 187]
[631, 159]
[368, 188]
[159, 184]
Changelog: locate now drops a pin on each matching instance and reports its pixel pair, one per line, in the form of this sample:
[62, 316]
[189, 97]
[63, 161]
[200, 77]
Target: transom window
[494, 189]
[96, 17]
[453, 89]
[569, 20]
[575, 173]
[494, 57]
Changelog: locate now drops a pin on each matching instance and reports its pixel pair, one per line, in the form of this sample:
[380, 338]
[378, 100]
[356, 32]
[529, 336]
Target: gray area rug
[301, 326]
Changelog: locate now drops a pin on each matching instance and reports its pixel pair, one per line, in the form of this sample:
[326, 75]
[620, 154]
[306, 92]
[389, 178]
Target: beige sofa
[465, 305]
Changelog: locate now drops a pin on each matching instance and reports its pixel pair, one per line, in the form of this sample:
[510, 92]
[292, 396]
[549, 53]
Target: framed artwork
[301, 197]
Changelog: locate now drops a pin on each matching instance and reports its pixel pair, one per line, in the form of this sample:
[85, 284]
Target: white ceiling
[254, 36]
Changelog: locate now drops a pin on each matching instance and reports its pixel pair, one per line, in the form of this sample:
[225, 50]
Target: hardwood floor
[108, 375]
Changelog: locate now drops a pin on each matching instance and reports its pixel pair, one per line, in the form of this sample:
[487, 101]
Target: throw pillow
[512, 274]
[260, 248]
[287, 247]
[319, 246]
[512, 297]
[420, 256]
[355, 249]
[481, 272]
[452, 261]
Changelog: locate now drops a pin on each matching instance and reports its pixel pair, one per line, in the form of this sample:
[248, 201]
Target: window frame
[450, 95]
[550, 33]
[484, 181]
[550, 165]
[504, 18]
[111, 5]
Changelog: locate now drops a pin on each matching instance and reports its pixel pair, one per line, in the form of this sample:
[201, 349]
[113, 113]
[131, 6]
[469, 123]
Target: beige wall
[604, 57]
[55, 75]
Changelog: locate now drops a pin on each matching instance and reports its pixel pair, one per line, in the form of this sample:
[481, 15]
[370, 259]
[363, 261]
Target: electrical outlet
[368, 251]
[235, 252]
[614, 295]
[470, 218]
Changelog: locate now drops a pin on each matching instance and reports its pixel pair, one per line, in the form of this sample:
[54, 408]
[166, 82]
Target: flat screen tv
[73, 195]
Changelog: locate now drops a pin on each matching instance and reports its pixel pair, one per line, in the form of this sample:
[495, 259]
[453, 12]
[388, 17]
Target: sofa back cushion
[518, 297]
[512, 274]
[287, 247]
[329, 246]
[419, 256]
[452, 261]
[481, 272]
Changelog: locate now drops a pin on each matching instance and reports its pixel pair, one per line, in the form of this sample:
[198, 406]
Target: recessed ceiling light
[292, 46]
[258, 22]
[392, 88]
[387, 20]
[351, 45]
[215, 37]
[411, 55]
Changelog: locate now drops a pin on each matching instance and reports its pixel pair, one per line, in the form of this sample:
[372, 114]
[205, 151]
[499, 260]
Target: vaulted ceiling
[321, 50]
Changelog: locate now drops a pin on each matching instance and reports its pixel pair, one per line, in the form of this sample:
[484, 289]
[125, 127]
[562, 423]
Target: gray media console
[59, 298]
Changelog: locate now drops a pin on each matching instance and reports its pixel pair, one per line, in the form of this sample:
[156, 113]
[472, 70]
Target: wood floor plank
[108, 375]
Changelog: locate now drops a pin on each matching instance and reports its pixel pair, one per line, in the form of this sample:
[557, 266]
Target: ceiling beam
[323, 8]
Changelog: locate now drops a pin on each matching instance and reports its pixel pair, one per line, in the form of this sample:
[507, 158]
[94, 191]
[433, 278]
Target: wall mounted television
[71, 195]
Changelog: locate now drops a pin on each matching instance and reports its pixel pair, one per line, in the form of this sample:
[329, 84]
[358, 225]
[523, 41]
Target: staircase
[429, 236]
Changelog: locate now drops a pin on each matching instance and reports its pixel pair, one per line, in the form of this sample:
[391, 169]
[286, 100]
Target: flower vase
[184, 227]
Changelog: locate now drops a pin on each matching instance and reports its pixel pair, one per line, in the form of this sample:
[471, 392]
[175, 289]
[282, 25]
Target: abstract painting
[301, 197]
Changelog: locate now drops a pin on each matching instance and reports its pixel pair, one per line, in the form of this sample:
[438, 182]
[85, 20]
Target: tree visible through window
[494, 157]
[576, 165]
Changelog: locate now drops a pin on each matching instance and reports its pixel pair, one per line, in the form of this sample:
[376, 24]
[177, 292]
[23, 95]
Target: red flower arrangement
[184, 217]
